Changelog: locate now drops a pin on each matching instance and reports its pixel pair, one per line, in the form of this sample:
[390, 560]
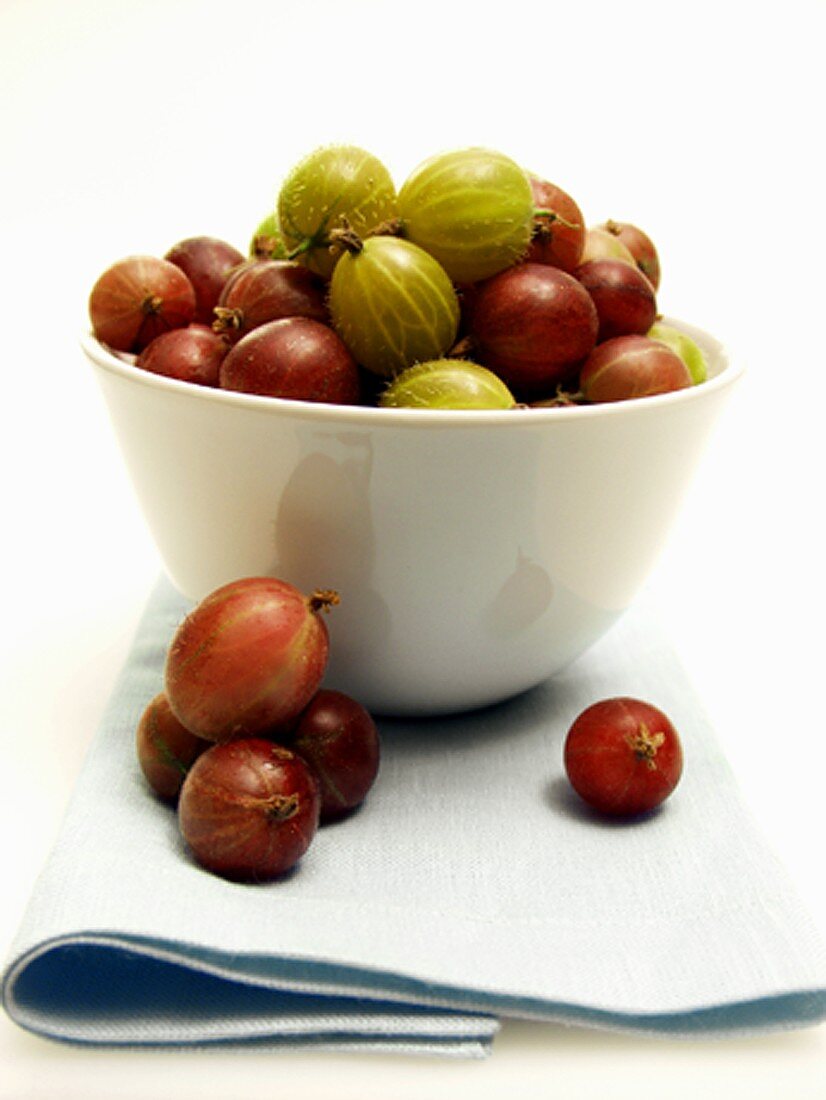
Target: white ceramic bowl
[476, 553]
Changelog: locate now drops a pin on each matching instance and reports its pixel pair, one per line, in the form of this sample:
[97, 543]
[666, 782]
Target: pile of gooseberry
[243, 740]
[255, 754]
[475, 285]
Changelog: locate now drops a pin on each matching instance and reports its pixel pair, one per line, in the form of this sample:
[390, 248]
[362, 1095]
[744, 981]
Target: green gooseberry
[472, 209]
[391, 303]
[447, 384]
[331, 185]
[687, 349]
[267, 242]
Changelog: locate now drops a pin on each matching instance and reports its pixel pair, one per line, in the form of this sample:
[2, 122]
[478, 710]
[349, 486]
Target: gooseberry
[192, 354]
[631, 366]
[447, 384]
[601, 245]
[331, 183]
[466, 293]
[295, 358]
[138, 298]
[249, 809]
[392, 303]
[267, 242]
[268, 290]
[339, 740]
[472, 209]
[625, 300]
[641, 247]
[165, 749]
[688, 349]
[558, 226]
[206, 262]
[533, 325]
[623, 756]
[247, 658]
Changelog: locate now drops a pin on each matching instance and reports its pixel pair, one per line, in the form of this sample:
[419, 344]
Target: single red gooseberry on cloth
[249, 809]
[623, 756]
[248, 658]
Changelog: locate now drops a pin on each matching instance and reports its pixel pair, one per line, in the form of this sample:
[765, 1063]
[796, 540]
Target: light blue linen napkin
[470, 886]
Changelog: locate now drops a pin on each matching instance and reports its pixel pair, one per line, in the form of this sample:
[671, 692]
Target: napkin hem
[465, 1017]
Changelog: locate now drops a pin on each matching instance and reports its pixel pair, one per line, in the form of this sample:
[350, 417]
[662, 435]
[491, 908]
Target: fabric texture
[472, 885]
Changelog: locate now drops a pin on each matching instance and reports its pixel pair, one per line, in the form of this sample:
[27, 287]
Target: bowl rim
[727, 373]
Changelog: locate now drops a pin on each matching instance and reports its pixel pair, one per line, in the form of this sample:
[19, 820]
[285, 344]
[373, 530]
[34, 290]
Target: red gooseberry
[602, 245]
[532, 324]
[247, 658]
[624, 298]
[249, 809]
[558, 228]
[623, 756]
[338, 738]
[295, 358]
[207, 262]
[625, 367]
[166, 750]
[641, 247]
[192, 354]
[138, 298]
[267, 290]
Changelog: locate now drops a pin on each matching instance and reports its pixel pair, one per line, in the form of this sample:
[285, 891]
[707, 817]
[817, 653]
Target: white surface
[130, 126]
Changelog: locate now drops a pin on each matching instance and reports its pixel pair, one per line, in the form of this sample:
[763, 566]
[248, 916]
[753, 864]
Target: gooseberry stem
[300, 249]
[553, 216]
[323, 599]
[281, 807]
[226, 320]
[645, 744]
[565, 398]
[392, 227]
[461, 349]
[346, 237]
[562, 399]
[151, 304]
[263, 246]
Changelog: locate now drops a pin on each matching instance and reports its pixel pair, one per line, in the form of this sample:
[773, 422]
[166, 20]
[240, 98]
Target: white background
[128, 126]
